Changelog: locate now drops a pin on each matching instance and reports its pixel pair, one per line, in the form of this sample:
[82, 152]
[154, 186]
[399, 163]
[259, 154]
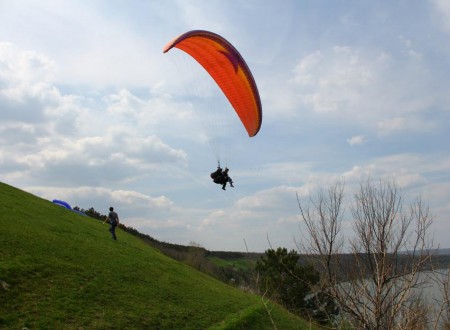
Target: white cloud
[358, 172]
[376, 89]
[59, 132]
[28, 94]
[357, 140]
[443, 10]
[130, 203]
[270, 199]
[125, 104]
[336, 80]
[409, 171]
[408, 124]
[391, 125]
[305, 67]
[22, 68]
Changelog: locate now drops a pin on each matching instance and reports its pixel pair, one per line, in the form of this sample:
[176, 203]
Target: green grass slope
[61, 270]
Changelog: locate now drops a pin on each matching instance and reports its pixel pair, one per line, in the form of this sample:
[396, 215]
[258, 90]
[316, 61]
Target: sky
[93, 113]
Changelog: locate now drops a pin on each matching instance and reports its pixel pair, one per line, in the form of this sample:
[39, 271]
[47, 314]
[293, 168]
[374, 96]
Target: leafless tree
[375, 283]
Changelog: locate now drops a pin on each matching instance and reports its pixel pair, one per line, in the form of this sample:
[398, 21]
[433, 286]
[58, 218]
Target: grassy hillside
[62, 270]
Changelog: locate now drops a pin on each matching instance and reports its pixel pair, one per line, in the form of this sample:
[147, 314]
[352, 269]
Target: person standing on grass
[113, 220]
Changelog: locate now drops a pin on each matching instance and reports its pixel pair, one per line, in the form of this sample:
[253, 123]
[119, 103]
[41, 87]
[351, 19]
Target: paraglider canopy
[228, 69]
[62, 203]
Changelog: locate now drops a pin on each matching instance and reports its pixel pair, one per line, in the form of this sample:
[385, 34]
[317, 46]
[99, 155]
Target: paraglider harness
[221, 176]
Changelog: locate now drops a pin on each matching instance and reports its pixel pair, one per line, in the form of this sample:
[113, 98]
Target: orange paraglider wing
[227, 67]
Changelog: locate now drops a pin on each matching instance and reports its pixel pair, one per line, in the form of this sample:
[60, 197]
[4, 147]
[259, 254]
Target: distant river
[432, 291]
